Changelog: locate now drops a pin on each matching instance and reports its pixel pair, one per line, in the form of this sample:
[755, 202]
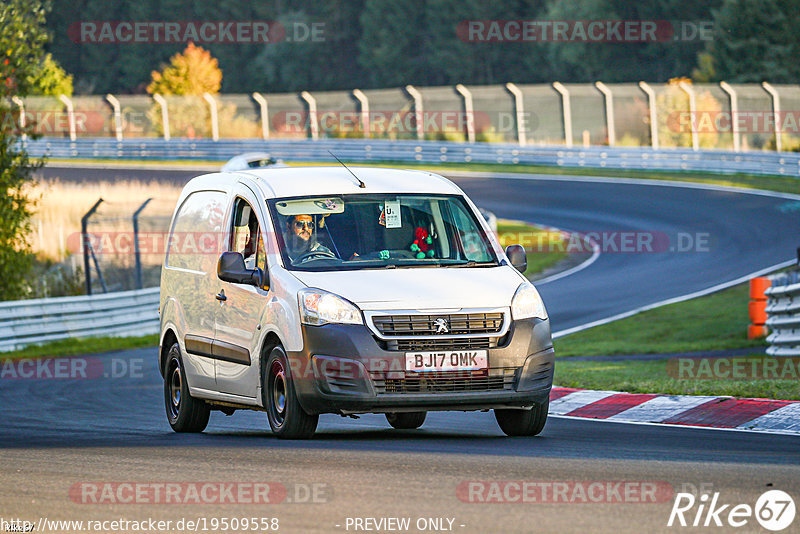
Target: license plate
[452, 360]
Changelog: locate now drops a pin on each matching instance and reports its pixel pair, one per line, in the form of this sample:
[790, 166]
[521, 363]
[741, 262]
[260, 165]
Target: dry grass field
[60, 206]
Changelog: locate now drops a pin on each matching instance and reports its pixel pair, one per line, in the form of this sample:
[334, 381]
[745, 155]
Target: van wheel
[406, 420]
[286, 417]
[185, 414]
[523, 422]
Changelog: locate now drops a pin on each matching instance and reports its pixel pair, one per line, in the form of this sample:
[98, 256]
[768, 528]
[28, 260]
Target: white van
[310, 290]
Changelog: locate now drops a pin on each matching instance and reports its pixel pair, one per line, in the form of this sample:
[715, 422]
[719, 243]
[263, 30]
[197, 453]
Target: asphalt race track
[700, 238]
[57, 435]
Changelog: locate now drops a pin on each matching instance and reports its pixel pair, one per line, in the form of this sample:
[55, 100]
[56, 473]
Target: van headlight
[527, 303]
[319, 307]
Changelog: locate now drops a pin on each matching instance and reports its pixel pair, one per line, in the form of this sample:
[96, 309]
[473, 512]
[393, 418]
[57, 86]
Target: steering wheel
[314, 254]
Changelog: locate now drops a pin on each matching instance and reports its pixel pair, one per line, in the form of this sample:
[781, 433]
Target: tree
[50, 79]
[753, 41]
[628, 62]
[189, 75]
[22, 38]
[675, 124]
[392, 49]
[124, 67]
[191, 72]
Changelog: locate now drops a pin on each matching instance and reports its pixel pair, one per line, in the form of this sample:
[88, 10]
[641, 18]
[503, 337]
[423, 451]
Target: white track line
[581, 266]
[662, 425]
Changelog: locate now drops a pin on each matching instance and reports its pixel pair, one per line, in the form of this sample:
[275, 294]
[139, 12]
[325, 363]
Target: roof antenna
[360, 183]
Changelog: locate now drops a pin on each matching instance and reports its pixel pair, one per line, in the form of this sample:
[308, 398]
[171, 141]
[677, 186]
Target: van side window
[472, 244]
[193, 241]
[246, 236]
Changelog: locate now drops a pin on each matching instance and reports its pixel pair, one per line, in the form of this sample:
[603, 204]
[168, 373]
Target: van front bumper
[344, 369]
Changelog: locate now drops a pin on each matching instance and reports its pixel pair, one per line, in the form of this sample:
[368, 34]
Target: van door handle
[221, 296]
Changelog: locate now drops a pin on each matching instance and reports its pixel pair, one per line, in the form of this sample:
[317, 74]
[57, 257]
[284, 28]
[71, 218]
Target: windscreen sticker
[391, 213]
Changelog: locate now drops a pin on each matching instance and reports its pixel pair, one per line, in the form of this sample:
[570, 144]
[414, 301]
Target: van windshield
[376, 231]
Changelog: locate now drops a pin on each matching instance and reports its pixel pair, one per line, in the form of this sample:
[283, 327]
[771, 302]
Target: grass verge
[73, 347]
[547, 255]
[713, 322]
[717, 321]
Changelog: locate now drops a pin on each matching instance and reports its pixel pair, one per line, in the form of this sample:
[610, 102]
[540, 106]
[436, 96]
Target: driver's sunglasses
[307, 224]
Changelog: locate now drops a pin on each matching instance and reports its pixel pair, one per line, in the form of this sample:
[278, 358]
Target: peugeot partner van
[328, 290]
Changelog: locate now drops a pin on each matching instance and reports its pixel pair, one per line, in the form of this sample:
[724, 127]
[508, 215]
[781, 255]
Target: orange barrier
[758, 311]
[757, 288]
[755, 331]
[758, 307]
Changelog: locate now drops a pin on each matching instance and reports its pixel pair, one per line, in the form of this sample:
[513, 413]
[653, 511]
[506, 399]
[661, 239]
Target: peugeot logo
[441, 325]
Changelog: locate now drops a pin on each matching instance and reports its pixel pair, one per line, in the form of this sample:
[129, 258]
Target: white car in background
[252, 160]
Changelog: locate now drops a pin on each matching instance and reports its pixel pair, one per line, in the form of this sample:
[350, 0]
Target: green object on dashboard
[384, 254]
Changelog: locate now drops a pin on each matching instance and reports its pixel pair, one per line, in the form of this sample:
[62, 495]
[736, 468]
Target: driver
[302, 237]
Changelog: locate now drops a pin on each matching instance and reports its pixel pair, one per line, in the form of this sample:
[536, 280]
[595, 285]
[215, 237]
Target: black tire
[523, 422]
[406, 420]
[286, 417]
[184, 413]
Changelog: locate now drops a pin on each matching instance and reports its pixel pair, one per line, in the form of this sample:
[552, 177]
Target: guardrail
[783, 310]
[126, 313]
[373, 150]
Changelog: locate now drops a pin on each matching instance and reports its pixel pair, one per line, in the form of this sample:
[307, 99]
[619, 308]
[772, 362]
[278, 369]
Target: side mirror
[230, 268]
[518, 257]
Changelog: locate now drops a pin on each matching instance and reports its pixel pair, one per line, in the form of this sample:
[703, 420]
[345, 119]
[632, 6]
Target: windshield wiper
[471, 263]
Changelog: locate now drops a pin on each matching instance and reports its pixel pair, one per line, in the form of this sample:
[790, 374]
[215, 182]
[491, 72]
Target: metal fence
[126, 313]
[431, 152]
[740, 118]
[783, 310]
[121, 244]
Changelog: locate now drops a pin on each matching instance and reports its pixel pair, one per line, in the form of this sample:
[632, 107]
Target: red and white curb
[761, 415]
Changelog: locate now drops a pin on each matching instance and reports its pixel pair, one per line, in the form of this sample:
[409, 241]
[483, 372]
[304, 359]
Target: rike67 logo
[774, 510]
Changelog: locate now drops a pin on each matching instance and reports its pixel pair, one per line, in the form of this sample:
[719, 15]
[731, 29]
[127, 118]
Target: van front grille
[498, 379]
[431, 325]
